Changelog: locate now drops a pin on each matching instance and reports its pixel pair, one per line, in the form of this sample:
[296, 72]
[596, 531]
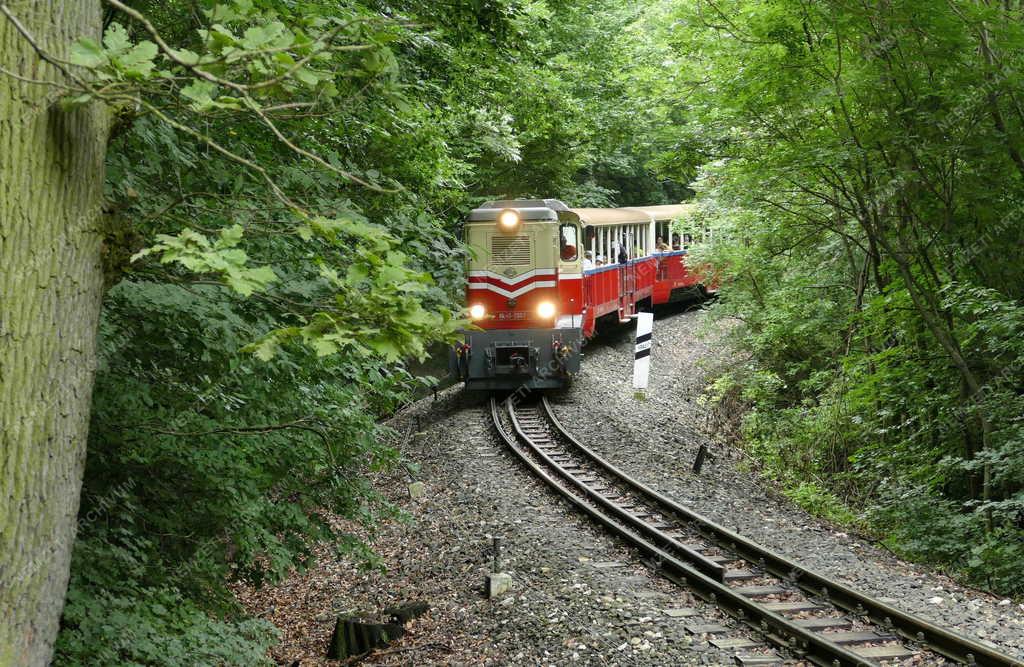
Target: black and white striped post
[642, 353]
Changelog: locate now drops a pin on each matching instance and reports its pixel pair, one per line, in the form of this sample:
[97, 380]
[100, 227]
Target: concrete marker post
[498, 582]
[642, 354]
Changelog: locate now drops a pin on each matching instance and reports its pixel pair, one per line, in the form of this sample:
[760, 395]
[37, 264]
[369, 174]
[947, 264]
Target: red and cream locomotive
[543, 276]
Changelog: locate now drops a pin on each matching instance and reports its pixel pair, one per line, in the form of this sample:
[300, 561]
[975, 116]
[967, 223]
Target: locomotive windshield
[568, 243]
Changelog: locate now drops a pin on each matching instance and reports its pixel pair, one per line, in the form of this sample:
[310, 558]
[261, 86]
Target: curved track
[810, 616]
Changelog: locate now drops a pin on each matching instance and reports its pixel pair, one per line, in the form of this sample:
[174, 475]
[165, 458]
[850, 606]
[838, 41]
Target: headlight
[477, 311]
[508, 219]
[546, 310]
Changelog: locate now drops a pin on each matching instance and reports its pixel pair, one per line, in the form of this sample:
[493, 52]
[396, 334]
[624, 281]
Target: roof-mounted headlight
[509, 220]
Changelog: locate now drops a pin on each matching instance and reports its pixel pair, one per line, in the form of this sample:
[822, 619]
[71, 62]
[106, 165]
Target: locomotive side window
[568, 243]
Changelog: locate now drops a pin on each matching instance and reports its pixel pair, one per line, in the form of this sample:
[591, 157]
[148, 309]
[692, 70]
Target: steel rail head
[826, 652]
[945, 642]
[709, 567]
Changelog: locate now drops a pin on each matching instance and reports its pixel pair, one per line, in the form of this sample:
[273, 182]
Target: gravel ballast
[578, 596]
[656, 441]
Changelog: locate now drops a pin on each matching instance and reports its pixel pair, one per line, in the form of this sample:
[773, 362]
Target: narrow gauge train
[543, 277]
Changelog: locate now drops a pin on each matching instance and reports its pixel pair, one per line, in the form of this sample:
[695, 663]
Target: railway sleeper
[825, 623]
[760, 591]
[758, 660]
[708, 629]
[858, 637]
[696, 546]
[724, 559]
[740, 575]
[792, 607]
[734, 643]
[887, 652]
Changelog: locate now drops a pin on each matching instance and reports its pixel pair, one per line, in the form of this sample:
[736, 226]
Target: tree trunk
[51, 187]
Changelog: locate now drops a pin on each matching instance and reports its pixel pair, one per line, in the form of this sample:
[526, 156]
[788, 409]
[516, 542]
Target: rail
[846, 627]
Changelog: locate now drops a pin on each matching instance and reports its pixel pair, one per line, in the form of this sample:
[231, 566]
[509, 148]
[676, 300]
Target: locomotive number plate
[507, 315]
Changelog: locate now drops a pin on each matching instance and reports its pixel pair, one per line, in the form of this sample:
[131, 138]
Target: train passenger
[675, 242]
[623, 256]
[566, 249]
[661, 245]
[588, 260]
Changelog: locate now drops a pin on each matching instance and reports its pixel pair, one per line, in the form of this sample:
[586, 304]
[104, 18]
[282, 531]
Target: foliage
[862, 182]
[283, 189]
[815, 499]
[106, 624]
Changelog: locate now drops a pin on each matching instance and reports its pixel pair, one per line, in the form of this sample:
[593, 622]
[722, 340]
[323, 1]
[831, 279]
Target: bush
[112, 618]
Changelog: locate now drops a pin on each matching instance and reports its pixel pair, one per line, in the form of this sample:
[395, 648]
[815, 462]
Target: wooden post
[698, 463]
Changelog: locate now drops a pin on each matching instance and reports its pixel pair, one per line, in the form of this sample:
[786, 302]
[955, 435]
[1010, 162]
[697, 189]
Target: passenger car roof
[553, 209]
[632, 215]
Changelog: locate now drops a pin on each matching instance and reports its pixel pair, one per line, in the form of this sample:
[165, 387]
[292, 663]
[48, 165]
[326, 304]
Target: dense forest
[864, 184]
[227, 228]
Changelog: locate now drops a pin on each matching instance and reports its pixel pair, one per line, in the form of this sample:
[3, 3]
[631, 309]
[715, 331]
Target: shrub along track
[808, 615]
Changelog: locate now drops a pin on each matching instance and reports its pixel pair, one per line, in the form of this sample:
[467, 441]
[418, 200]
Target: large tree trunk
[51, 187]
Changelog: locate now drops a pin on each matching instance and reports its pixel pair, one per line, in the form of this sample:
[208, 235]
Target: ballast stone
[680, 612]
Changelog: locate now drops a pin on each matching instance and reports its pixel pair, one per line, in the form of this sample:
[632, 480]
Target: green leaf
[328, 227]
[87, 53]
[262, 276]
[308, 77]
[116, 39]
[356, 274]
[138, 63]
[201, 93]
[185, 56]
[265, 349]
[75, 101]
[225, 102]
[142, 253]
[323, 346]
[230, 237]
[271, 35]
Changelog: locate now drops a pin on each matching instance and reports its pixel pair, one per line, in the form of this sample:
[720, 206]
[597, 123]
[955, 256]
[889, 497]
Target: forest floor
[578, 596]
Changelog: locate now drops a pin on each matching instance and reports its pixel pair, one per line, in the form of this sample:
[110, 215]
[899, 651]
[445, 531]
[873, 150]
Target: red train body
[544, 276]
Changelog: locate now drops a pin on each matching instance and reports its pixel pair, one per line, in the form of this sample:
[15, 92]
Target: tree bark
[51, 188]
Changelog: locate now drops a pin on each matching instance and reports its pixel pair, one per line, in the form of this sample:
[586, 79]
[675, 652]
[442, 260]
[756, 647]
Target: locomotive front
[525, 297]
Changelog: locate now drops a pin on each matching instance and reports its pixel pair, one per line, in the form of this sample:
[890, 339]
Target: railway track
[804, 615]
